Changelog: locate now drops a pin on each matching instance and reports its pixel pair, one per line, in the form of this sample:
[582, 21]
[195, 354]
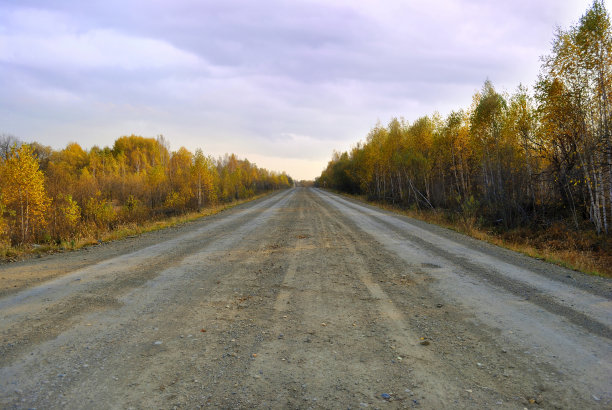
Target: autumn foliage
[23, 195]
[507, 161]
[49, 196]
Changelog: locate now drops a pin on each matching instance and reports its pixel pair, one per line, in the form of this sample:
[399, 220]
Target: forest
[51, 197]
[527, 159]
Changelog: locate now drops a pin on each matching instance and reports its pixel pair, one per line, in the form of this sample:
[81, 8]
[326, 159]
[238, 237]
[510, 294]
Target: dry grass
[578, 250]
[8, 253]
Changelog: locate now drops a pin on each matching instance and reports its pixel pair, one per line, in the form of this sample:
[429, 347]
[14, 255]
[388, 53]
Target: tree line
[49, 195]
[520, 159]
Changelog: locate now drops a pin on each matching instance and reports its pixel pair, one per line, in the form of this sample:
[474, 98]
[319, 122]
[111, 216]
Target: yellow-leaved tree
[65, 214]
[23, 191]
[3, 223]
[203, 176]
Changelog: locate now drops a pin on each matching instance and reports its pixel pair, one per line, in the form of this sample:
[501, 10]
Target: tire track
[589, 317]
[54, 307]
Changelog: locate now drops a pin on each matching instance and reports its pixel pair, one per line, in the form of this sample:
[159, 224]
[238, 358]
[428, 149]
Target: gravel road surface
[302, 299]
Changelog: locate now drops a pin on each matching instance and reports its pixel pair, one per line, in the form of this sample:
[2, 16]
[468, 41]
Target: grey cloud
[284, 79]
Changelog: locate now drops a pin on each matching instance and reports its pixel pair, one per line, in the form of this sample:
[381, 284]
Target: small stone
[424, 343]
[595, 398]
[157, 342]
[439, 305]
[386, 396]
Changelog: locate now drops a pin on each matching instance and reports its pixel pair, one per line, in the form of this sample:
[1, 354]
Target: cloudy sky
[282, 83]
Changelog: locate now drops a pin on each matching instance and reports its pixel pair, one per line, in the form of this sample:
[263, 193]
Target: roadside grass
[13, 253]
[581, 251]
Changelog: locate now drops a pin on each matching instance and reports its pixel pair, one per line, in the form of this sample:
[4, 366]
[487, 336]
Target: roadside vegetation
[52, 200]
[531, 170]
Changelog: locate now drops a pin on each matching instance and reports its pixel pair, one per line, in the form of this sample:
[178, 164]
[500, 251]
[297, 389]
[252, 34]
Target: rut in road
[305, 299]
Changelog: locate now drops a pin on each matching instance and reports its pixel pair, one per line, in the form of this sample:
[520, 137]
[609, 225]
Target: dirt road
[303, 299]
